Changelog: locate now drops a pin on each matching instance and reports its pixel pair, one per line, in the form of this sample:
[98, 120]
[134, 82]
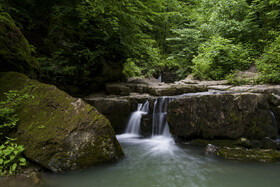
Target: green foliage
[226, 18]
[130, 69]
[269, 63]
[82, 42]
[235, 80]
[10, 152]
[219, 57]
[184, 48]
[10, 157]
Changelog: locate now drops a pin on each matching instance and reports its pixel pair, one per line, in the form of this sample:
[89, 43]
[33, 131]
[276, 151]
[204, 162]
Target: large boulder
[222, 116]
[15, 52]
[60, 132]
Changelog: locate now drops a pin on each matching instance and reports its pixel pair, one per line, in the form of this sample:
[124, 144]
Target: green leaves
[10, 157]
[219, 57]
[269, 63]
[10, 152]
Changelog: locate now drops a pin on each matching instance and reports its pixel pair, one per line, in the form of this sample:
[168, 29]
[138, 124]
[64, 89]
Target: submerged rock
[59, 132]
[222, 116]
[15, 52]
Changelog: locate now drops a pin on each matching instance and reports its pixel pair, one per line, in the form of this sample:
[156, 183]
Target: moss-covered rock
[60, 132]
[15, 52]
[239, 153]
[222, 116]
[242, 149]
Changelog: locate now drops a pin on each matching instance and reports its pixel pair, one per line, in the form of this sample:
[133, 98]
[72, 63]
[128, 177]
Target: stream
[159, 161]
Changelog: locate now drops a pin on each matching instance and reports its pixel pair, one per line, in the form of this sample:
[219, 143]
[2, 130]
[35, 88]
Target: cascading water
[160, 125]
[161, 140]
[159, 78]
[133, 126]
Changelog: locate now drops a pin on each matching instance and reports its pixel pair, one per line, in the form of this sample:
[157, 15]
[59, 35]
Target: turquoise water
[159, 162]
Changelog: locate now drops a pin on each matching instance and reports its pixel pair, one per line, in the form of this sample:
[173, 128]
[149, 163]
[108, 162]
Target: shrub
[130, 69]
[269, 63]
[218, 57]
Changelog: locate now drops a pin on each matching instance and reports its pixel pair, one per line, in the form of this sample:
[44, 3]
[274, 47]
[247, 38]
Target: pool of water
[159, 162]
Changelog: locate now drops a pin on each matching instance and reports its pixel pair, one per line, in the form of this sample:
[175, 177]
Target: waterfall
[160, 125]
[159, 122]
[159, 78]
[133, 126]
[274, 121]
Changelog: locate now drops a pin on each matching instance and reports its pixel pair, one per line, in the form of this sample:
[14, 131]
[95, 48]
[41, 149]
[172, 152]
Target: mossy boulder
[239, 153]
[222, 116]
[59, 132]
[15, 51]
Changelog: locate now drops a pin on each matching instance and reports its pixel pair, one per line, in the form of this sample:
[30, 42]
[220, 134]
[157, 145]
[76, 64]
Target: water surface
[161, 162]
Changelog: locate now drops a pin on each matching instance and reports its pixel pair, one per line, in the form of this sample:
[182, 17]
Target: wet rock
[274, 99]
[243, 154]
[268, 143]
[210, 149]
[26, 177]
[245, 143]
[221, 116]
[59, 132]
[146, 126]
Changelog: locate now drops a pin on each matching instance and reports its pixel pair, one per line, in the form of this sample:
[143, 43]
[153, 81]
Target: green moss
[239, 153]
[52, 120]
[236, 118]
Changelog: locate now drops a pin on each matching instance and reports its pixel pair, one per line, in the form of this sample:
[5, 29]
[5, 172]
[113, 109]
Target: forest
[65, 89]
[84, 43]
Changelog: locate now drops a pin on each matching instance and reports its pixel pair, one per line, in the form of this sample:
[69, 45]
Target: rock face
[15, 52]
[115, 109]
[118, 110]
[117, 89]
[59, 132]
[222, 116]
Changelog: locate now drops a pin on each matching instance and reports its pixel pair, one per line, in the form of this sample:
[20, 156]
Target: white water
[160, 125]
[161, 141]
[159, 78]
[133, 126]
